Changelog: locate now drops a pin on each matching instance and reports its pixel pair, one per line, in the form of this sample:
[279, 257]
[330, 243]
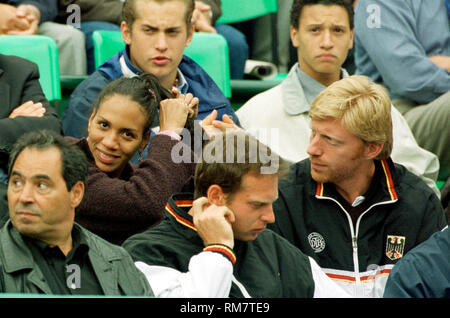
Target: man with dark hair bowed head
[214, 243]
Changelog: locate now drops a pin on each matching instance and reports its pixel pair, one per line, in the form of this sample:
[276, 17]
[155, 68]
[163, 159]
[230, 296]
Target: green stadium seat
[41, 50]
[238, 10]
[106, 44]
[209, 50]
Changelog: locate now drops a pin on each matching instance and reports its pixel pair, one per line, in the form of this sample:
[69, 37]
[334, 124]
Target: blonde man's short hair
[362, 106]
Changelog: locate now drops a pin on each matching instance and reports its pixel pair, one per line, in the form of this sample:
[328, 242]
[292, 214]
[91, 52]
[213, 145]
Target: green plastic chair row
[209, 50]
[41, 50]
[239, 10]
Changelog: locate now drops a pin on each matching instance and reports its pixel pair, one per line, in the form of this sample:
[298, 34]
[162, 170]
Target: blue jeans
[237, 48]
[88, 28]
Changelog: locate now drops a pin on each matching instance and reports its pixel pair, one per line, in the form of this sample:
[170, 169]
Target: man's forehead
[319, 14]
[34, 161]
[146, 10]
[331, 127]
[263, 183]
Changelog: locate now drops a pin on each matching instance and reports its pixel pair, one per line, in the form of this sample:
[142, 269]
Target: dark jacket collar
[177, 209]
[200, 84]
[17, 254]
[386, 191]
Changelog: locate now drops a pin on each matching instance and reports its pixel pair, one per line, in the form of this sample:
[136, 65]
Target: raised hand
[213, 223]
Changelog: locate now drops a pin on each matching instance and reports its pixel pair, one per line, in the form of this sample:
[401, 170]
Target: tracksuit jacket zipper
[354, 236]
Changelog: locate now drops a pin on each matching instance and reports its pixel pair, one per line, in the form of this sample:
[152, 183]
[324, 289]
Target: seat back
[209, 50]
[239, 10]
[106, 44]
[41, 50]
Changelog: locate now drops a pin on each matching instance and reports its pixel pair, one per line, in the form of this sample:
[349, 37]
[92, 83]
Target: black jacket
[19, 83]
[112, 265]
[267, 266]
[403, 213]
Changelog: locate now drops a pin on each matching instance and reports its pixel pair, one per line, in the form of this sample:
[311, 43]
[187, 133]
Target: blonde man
[348, 205]
[322, 33]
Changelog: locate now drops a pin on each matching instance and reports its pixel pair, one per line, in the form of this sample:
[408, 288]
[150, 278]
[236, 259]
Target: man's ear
[76, 194]
[373, 150]
[293, 32]
[216, 195]
[126, 32]
[352, 33]
[190, 35]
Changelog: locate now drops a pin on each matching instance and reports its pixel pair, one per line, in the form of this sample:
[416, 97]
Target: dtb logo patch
[316, 241]
[395, 246]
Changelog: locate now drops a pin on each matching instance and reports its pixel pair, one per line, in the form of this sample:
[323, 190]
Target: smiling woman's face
[116, 132]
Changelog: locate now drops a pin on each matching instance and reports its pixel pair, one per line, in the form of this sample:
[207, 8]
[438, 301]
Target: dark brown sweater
[116, 208]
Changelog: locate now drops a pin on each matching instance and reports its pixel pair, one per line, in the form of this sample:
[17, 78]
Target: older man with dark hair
[42, 250]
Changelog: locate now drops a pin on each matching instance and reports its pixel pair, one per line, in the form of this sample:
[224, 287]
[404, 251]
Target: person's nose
[27, 193]
[326, 40]
[314, 148]
[110, 140]
[161, 42]
[268, 215]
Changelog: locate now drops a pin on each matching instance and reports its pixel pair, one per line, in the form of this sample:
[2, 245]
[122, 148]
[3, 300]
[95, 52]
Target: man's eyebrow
[324, 134]
[36, 177]
[322, 24]
[341, 26]
[333, 138]
[262, 201]
[147, 25]
[16, 173]
[41, 176]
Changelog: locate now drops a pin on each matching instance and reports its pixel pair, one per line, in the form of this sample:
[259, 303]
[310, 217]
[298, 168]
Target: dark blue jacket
[424, 272]
[76, 115]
